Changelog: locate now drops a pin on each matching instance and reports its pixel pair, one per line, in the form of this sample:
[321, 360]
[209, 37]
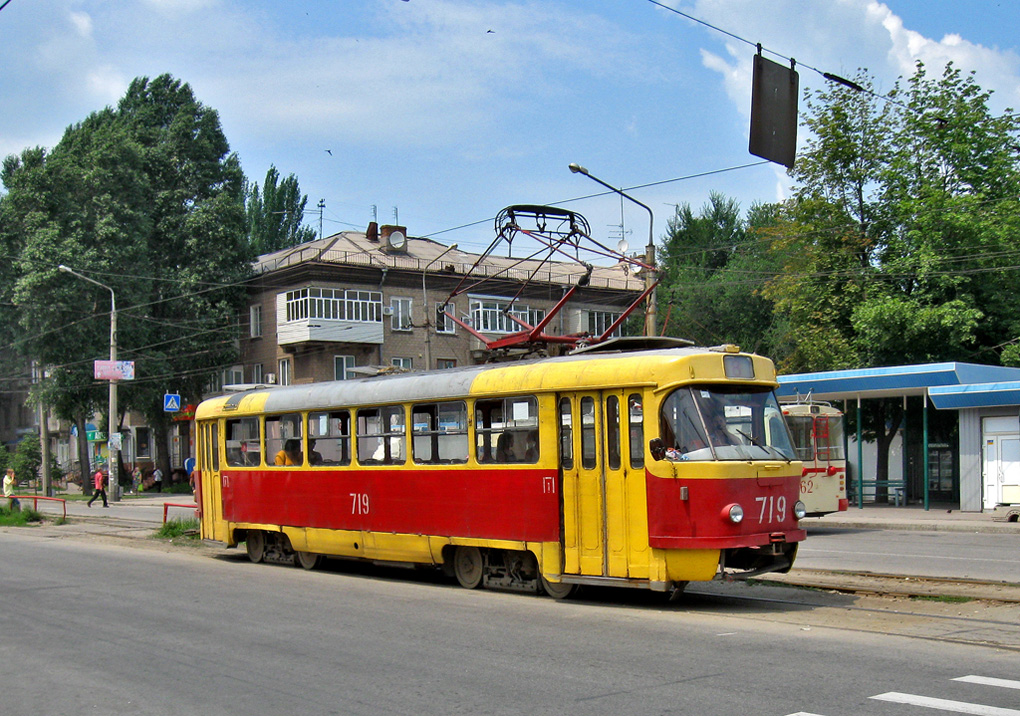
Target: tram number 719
[359, 503]
[773, 509]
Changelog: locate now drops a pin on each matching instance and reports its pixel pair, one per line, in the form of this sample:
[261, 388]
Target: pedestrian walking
[99, 480]
[13, 503]
[157, 479]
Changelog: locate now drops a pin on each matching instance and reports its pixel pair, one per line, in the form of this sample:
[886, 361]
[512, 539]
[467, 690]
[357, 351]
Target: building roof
[355, 248]
[950, 385]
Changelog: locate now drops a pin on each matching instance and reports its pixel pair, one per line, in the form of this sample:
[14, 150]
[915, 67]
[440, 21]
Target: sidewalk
[911, 517]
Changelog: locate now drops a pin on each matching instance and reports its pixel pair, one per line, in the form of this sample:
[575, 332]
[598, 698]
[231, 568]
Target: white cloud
[870, 36]
[82, 23]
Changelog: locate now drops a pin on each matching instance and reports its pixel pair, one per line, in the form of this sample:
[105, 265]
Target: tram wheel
[307, 560]
[467, 567]
[558, 590]
[255, 543]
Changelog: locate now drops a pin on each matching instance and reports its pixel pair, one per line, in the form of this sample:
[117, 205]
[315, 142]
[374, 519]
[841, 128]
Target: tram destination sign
[114, 370]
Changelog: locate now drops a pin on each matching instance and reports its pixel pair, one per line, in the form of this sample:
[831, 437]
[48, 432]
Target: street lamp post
[112, 418]
[425, 306]
[650, 329]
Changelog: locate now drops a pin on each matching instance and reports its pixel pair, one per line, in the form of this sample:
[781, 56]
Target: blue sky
[442, 112]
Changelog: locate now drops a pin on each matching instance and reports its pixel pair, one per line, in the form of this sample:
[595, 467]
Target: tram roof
[950, 385]
[583, 370]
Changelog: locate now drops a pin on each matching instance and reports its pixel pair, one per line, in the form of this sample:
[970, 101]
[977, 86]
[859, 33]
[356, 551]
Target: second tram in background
[817, 430]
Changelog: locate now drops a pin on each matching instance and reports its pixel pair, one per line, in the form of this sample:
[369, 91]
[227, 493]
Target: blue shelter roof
[975, 395]
[956, 384]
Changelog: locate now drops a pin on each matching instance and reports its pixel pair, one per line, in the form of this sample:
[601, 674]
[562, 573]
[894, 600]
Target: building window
[283, 371]
[400, 320]
[342, 367]
[402, 363]
[142, 442]
[334, 305]
[255, 321]
[233, 375]
[490, 315]
[444, 363]
[599, 321]
[444, 324]
[256, 373]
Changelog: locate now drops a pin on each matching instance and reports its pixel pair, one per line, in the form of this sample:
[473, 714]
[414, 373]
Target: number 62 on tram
[645, 468]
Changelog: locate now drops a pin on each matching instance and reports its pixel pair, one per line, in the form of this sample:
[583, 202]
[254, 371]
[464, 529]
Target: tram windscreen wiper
[767, 448]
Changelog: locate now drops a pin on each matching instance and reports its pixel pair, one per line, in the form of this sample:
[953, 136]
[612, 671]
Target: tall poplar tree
[274, 214]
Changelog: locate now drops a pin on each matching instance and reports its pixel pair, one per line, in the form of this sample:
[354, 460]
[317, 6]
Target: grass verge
[178, 528]
[18, 518]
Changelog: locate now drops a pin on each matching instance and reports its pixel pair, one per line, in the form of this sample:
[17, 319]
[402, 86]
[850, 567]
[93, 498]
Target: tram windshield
[720, 423]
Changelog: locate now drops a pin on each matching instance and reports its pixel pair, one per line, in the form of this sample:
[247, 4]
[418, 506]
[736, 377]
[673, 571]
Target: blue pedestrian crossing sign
[171, 402]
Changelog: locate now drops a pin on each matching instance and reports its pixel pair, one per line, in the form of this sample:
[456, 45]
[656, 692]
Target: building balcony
[321, 330]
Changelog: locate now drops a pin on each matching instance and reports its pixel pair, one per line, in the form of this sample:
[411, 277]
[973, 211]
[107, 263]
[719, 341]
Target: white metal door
[1001, 468]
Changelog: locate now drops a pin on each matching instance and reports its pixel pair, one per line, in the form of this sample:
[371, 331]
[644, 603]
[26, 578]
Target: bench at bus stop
[896, 490]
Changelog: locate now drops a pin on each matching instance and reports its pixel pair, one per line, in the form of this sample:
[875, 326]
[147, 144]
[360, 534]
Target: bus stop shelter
[975, 391]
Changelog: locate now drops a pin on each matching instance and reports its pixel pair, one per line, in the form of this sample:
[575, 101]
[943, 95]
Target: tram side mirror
[657, 448]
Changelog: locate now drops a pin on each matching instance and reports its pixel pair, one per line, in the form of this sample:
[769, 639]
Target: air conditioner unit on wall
[387, 310]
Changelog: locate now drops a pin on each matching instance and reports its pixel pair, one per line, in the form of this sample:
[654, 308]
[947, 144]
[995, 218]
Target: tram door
[209, 462]
[593, 442]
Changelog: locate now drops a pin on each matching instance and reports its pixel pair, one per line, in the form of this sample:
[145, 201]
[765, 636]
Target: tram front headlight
[799, 510]
[734, 513]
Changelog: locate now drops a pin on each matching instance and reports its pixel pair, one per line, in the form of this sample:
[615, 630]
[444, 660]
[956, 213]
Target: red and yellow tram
[647, 468]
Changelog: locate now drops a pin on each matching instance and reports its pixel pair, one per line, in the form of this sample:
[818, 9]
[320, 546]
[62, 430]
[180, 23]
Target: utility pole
[321, 205]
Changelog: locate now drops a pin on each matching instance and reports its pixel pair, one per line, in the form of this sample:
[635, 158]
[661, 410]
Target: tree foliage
[900, 240]
[274, 213]
[902, 228]
[714, 266]
[146, 199]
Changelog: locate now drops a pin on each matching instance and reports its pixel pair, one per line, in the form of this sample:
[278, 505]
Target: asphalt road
[103, 626]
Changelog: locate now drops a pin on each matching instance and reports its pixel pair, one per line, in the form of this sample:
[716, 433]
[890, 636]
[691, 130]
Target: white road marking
[989, 681]
[960, 707]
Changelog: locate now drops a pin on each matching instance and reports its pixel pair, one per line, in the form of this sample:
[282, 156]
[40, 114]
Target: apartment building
[356, 303]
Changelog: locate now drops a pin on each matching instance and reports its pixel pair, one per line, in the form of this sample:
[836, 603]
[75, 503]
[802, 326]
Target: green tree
[147, 199]
[714, 265]
[274, 213]
[901, 232]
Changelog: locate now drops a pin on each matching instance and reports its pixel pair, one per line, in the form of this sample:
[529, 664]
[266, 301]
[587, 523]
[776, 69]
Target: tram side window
[242, 442]
[381, 436]
[439, 433]
[566, 435]
[283, 440]
[506, 430]
[329, 438]
[588, 445]
[636, 418]
[613, 432]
